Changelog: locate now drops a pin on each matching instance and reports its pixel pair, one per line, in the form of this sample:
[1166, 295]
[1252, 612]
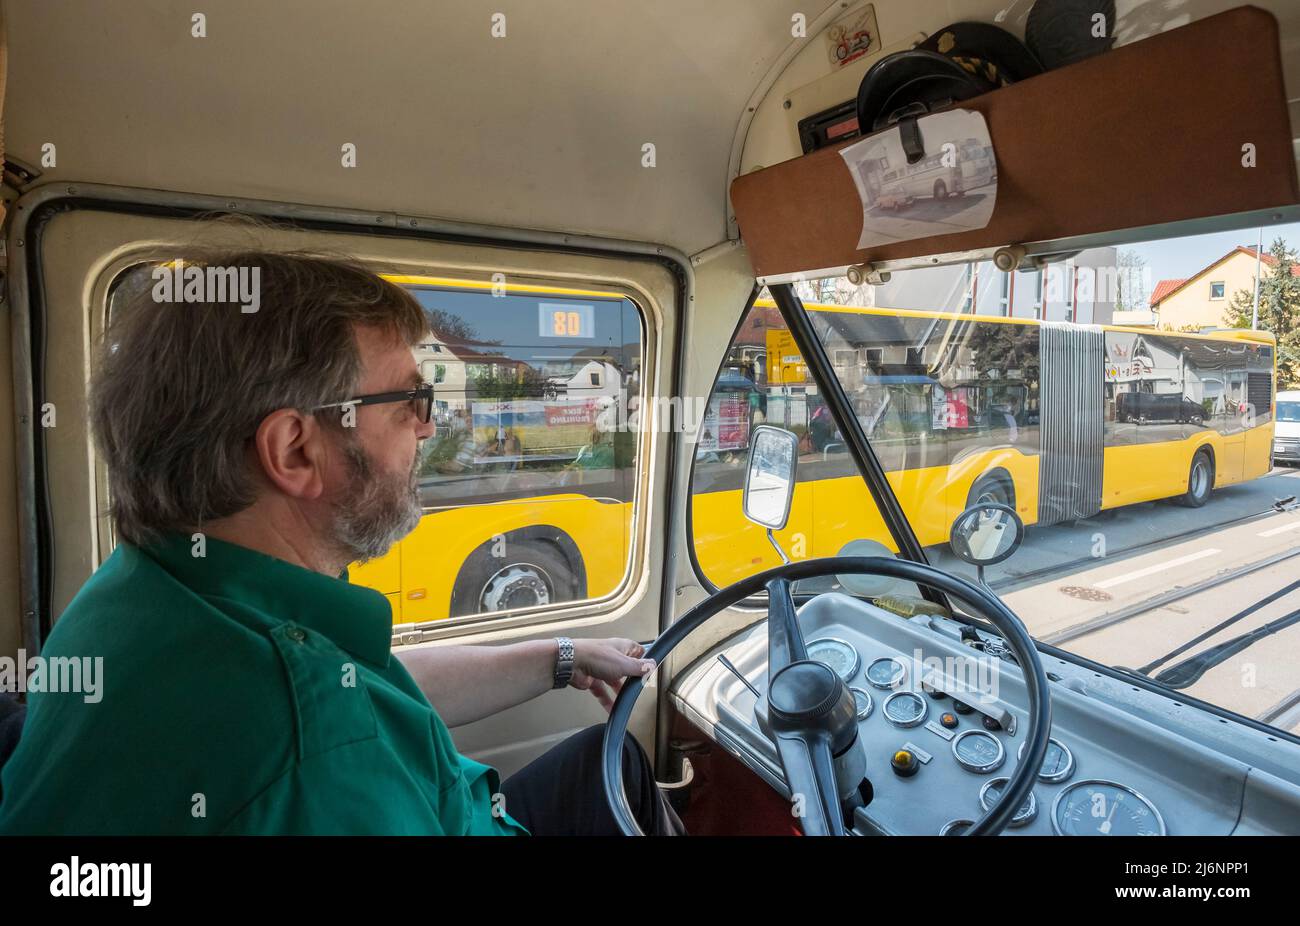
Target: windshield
[1289, 412]
[1138, 445]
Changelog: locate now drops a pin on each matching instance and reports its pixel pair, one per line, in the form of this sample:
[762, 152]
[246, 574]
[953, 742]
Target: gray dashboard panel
[1197, 787]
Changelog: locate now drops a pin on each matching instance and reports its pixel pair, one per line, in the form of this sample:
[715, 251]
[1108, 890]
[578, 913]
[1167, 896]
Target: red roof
[1166, 288]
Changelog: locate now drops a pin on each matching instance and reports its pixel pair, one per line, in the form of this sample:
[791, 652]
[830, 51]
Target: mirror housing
[769, 481]
[986, 533]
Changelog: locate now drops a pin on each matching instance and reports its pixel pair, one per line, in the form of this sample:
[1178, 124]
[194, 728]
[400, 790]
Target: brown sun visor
[1188, 124]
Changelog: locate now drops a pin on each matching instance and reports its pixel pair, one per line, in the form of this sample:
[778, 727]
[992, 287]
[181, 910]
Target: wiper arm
[1189, 671]
[1240, 615]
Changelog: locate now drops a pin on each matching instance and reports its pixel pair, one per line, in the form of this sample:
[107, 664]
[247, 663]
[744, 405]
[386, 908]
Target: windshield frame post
[868, 465]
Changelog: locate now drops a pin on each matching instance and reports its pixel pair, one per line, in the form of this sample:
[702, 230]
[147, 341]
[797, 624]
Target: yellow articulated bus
[529, 483]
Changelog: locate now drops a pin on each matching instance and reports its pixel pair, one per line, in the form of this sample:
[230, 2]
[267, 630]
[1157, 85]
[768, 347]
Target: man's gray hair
[179, 387]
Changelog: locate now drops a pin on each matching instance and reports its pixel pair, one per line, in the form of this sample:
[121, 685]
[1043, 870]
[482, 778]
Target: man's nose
[425, 429]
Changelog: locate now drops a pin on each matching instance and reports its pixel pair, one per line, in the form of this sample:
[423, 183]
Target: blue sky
[1182, 257]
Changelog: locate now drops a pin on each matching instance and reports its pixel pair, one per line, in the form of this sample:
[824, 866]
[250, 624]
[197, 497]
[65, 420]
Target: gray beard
[374, 512]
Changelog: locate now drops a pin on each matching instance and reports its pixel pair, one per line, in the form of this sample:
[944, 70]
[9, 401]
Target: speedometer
[840, 656]
[978, 751]
[1104, 808]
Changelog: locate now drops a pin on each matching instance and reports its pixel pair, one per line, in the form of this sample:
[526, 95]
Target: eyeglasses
[421, 399]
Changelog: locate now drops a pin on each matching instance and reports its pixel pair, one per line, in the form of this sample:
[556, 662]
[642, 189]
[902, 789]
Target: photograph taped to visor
[934, 176]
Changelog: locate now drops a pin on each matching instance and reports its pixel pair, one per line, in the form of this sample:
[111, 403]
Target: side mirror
[985, 534]
[769, 484]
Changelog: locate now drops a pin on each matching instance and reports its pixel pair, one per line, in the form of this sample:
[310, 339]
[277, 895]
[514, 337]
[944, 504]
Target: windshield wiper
[1189, 671]
[1240, 615]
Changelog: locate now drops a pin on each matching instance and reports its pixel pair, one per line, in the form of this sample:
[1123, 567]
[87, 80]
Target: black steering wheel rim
[983, 601]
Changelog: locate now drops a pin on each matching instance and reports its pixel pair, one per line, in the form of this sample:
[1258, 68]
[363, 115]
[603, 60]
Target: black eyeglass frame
[421, 393]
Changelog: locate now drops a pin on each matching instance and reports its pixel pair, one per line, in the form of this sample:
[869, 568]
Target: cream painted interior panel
[542, 128]
[83, 249]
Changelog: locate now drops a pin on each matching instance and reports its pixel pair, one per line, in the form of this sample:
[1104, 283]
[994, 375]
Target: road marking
[1151, 570]
[1278, 530]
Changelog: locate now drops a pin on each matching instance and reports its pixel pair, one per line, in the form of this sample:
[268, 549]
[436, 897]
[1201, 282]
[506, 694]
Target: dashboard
[942, 719]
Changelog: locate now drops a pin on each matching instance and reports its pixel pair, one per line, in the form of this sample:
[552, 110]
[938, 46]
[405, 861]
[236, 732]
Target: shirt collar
[358, 619]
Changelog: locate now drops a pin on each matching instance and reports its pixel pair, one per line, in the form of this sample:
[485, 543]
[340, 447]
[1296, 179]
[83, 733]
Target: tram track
[1146, 605]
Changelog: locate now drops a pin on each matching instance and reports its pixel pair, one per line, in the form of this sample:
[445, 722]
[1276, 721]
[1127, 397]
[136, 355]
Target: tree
[1279, 311]
[1131, 282]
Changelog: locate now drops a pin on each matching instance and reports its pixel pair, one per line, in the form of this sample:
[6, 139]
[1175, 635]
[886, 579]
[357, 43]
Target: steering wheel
[806, 700]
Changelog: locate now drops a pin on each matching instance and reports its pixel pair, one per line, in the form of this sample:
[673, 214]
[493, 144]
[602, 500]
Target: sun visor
[1188, 124]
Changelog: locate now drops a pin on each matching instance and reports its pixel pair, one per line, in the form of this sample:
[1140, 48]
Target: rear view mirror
[985, 534]
[769, 484]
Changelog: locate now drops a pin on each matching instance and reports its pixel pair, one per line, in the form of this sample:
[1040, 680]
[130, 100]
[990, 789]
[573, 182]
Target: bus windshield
[1117, 400]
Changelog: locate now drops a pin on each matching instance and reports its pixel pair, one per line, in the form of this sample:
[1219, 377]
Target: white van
[1286, 433]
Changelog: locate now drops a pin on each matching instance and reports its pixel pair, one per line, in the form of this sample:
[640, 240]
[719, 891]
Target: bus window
[529, 481]
[1086, 430]
[528, 484]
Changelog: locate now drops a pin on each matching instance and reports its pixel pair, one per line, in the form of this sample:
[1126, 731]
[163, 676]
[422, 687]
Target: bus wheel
[1200, 481]
[992, 488]
[940, 190]
[532, 575]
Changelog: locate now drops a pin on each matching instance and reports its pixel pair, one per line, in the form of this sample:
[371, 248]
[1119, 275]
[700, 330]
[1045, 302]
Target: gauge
[886, 672]
[992, 790]
[978, 751]
[842, 658]
[1104, 808]
[956, 827]
[905, 709]
[1058, 761]
[862, 701]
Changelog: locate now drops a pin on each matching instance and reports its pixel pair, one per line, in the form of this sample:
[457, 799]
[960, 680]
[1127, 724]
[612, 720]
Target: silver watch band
[563, 662]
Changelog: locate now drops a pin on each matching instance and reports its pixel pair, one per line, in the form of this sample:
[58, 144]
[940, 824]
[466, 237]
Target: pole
[1259, 250]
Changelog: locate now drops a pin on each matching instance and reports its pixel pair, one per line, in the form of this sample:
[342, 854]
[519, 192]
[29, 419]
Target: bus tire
[1200, 481]
[940, 190]
[995, 487]
[532, 573]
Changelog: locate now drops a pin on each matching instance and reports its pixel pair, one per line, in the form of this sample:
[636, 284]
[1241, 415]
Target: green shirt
[239, 694]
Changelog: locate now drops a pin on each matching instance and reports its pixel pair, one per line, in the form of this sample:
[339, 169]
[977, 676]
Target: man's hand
[600, 666]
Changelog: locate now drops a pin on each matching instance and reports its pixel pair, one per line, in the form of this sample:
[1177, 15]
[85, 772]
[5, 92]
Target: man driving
[248, 687]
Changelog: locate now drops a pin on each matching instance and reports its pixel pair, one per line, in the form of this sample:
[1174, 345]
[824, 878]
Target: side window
[529, 481]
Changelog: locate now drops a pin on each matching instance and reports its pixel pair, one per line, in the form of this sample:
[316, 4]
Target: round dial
[992, 790]
[862, 701]
[886, 672]
[1104, 808]
[1058, 761]
[840, 656]
[978, 751]
[905, 708]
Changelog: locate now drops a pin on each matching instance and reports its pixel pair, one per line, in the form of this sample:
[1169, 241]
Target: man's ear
[294, 452]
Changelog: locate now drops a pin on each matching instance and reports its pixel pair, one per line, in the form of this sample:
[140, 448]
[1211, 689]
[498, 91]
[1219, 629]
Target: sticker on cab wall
[949, 186]
[852, 36]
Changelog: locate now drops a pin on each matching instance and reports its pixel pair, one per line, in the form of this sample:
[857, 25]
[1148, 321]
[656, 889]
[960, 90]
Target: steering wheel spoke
[810, 775]
[785, 642]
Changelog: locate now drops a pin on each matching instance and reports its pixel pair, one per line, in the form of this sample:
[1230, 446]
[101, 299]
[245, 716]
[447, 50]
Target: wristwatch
[563, 663]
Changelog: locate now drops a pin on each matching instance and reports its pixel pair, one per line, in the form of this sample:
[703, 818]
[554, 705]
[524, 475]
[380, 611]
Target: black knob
[961, 707]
